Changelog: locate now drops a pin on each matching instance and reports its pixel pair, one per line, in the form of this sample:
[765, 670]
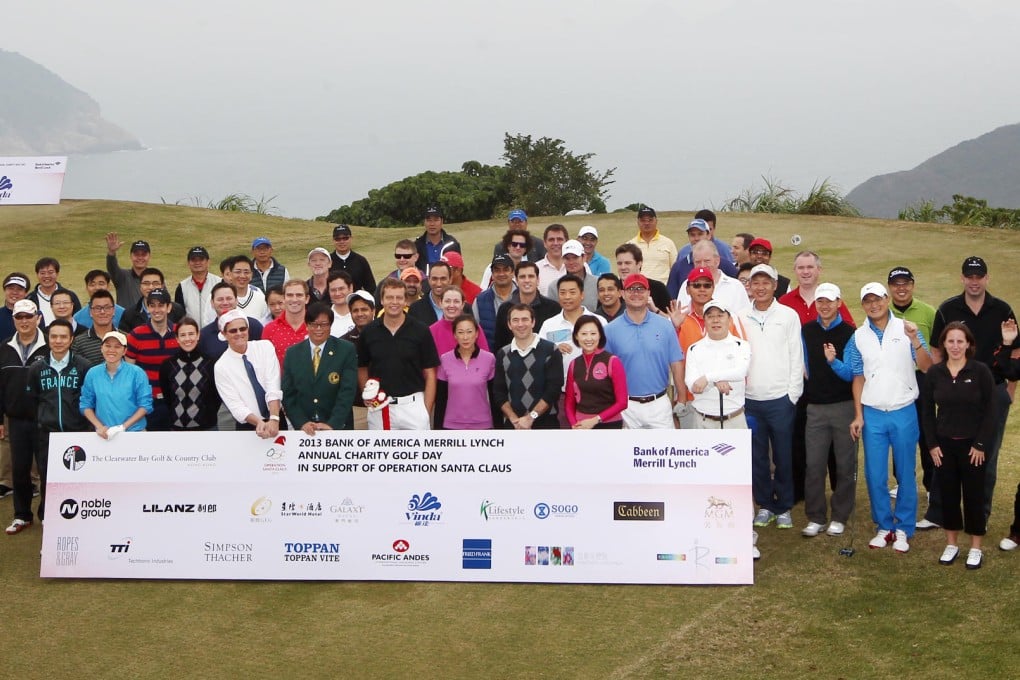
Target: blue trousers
[773, 424]
[897, 430]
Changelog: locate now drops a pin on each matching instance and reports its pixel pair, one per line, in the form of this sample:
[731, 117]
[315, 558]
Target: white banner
[601, 506]
[31, 180]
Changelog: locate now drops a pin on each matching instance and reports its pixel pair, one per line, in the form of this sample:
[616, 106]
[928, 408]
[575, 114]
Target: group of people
[706, 336]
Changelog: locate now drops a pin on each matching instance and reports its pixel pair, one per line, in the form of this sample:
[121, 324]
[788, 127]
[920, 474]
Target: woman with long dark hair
[596, 391]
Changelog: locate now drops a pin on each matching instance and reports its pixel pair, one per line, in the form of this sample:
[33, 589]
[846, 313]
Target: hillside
[41, 114]
[985, 167]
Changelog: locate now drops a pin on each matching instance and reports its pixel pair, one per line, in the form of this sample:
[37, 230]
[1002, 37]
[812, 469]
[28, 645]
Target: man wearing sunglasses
[248, 377]
[344, 259]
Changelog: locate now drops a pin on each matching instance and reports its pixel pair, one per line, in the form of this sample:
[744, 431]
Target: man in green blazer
[320, 376]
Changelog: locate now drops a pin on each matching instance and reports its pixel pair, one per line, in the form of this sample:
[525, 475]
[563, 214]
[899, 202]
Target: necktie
[315, 361]
[260, 393]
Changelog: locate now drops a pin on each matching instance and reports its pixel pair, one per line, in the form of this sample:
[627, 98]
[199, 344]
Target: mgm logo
[718, 508]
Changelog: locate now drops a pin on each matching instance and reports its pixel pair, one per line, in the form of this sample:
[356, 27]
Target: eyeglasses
[24, 317]
[102, 308]
[403, 256]
[518, 244]
[235, 331]
[637, 289]
[744, 281]
[319, 324]
[701, 286]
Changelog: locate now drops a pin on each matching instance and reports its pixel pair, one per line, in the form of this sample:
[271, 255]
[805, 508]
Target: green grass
[811, 613]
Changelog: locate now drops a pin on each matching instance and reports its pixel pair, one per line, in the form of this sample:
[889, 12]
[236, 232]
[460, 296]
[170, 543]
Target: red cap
[635, 280]
[761, 242]
[699, 273]
[453, 259]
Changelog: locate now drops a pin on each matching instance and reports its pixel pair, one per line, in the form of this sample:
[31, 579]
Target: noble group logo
[401, 555]
[559, 510]
[476, 553]
[641, 511]
[549, 555]
[118, 550]
[494, 511]
[311, 551]
[74, 458]
[424, 510]
[347, 511]
[275, 456]
[94, 508]
[67, 551]
[259, 511]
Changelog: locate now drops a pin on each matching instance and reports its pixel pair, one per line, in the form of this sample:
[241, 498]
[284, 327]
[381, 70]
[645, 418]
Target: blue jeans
[898, 430]
[773, 424]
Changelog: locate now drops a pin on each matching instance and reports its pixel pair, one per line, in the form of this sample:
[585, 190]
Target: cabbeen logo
[641, 511]
[74, 458]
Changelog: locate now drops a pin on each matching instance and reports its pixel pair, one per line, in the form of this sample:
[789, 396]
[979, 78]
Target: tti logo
[118, 550]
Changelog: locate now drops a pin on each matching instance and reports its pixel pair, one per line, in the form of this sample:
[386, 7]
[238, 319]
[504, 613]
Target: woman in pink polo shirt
[466, 371]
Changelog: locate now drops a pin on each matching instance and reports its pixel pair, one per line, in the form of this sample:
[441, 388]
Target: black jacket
[14, 378]
[56, 395]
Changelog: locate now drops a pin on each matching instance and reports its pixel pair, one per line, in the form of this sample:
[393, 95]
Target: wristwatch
[534, 415]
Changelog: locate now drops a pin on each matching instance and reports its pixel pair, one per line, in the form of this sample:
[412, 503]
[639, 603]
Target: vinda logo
[74, 458]
[5, 185]
[423, 510]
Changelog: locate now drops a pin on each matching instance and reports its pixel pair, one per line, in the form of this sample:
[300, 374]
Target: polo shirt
[557, 330]
[659, 255]
[920, 313]
[599, 264]
[397, 360]
[148, 349]
[807, 312]
[283, 335]
[646, 349]
[986, 325]
[115, 399]
[357, 266]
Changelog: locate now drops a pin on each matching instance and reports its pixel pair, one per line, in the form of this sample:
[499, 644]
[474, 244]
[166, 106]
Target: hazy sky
[692, 101]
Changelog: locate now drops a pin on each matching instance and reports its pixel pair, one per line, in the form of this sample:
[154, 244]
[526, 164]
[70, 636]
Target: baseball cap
[158, 295]
[198, 252]
[873, 288]
[714, 303]
[829, 291]
[319, 250]
[974, 266]
[699, 273]
[25, 307]
[764, 243]
[645, 210]
[454, 259]
[116, 335]
[15, 280]
[409, 273]
[227, 317]
[588, 230]
[261, 241]
[900, 273]
[341, 230]
[141, 245]
[433, 211]
[517, 214]
[699, 224]
[362, 295]
[766, 269]
[635, 280]
[573, 247]
[502, 261]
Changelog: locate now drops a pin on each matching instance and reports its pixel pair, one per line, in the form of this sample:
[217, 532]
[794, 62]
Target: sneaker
[949, 555]
[893, 491]
[784, 520]
[835, 528]
[35, 492]
[974, 558]
[881, 539]
[17, 526]
[900, 544]
[763, 518]
[925, 525]
[812, 529]
[5, 491]
[1010, 542]
[755, 553]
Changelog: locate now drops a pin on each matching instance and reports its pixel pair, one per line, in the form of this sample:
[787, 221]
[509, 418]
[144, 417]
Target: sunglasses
[517, 244]
[636, 289]
[403, 256]
[235, 331]
[24, 317]
[701, 286]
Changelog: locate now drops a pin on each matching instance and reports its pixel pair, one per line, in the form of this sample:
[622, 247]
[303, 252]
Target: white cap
[829, 291]
[588, 230]
[766, 269]
[873, 288]
[716, 304]
[24, 307]
[320, 250]
[573, 247]
[116, 335]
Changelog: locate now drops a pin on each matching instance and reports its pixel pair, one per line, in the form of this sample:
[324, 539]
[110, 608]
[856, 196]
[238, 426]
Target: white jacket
[777, 355]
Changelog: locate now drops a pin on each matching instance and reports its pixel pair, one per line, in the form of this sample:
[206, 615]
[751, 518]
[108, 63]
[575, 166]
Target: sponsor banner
[625, 506]
[31, 180]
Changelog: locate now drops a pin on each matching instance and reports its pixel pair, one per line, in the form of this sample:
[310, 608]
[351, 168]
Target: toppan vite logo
[259, 511]
[120, 548]
[74, 458]
[549, 555]
[424, 510]
[401, 555]
[228, 552]
[92, 508]
[476, 553]
[559, 510]
[275, 456]
[67, 551]
[490, 511]
[640, 511]
[311, 551]
[347, 511]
